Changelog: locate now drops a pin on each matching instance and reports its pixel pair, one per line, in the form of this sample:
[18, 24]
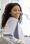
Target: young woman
[11, 17]
[11, 20]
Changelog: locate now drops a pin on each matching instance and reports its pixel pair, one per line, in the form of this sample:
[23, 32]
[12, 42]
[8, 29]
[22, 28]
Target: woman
[11, 17]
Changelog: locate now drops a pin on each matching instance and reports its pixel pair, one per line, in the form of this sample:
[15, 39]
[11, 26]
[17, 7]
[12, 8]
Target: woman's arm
[10, 25]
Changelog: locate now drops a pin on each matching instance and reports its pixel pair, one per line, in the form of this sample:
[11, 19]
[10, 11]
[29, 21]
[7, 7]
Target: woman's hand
[20, 42]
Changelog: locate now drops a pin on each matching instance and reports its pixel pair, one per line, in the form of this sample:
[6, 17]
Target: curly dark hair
[6, 15]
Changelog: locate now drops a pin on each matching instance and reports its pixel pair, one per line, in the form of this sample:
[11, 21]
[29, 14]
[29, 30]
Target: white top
[10, 27]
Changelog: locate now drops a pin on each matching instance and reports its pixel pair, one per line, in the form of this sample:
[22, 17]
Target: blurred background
[25, 25]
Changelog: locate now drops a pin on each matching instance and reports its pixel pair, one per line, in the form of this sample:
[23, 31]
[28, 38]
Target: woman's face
[15, 11]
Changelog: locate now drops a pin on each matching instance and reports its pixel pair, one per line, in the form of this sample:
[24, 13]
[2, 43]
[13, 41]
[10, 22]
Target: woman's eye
[15, 10]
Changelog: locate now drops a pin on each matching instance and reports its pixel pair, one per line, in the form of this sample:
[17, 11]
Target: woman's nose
[17, 12]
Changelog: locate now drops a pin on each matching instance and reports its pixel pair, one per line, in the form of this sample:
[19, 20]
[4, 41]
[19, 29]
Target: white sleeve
[20, 31]
[10, 26]
[21, 36]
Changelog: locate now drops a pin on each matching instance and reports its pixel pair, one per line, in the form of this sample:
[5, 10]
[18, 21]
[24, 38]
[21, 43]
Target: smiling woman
[10, 18]
[25, 22]
[25, 8]
[12, 10]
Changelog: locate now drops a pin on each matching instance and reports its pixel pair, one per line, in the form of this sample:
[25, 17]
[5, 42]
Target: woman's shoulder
[11, 22]
[12, 19]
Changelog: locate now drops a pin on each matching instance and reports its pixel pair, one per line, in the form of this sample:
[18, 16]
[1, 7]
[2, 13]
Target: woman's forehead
[16, 7]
